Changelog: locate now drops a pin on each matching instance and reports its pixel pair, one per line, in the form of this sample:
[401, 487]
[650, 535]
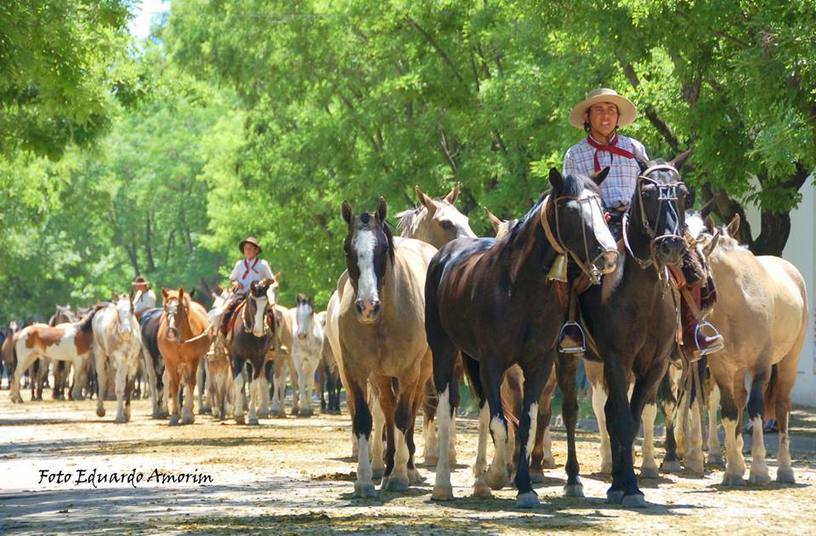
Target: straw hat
[140, 281]
[249, 240]
[626, 110]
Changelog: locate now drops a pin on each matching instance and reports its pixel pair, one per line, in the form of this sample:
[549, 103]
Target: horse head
[436, 221]
[574, 222]
[257, 307]
[368, 246]
[124, 315]
[658, 211]
[304, 311]
[175, 311]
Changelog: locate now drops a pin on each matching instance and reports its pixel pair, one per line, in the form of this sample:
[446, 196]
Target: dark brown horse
[632, 319]
[251, 337]
[493, 301]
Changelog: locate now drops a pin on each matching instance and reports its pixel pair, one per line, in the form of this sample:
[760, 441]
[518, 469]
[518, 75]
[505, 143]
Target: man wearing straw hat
[599, 115]
[144, 298]
[245, 272]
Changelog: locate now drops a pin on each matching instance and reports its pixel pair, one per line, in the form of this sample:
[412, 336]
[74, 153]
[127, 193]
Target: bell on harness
[571, 339]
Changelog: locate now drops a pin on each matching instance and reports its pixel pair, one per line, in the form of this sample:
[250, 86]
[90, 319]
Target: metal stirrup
[716, 344]
[562, 334]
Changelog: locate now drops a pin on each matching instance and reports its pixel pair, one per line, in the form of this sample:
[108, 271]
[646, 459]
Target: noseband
[588, 266]
[667, 200]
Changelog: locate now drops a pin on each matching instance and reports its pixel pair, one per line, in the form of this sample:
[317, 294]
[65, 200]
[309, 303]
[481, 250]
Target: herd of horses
[413, 315]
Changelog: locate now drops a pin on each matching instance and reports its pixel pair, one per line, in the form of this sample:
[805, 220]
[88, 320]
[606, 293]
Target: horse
[330, 372]
[66, 342]
[281, 359]
[149, 324]
[437, 222]
[306, 347]
[218, 366]
[7, 350]
[492, 301]
[117, 345]
[380, 319]
[762, 314]
[249, 339]
[183, 339]
[62, 315]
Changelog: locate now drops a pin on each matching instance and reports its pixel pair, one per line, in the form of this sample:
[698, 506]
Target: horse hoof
[279, 414]
[239, 419]
[715, 460]
[671, 467]
[496, 481]
[548, 463]
[295, 412]
[527, 500]
[415, 478]
[606, 469]
[732, 481]
[377, 473]
[394, 483]
[100, 412]
[253, 421]
[649, 472]
[785, 476]
[362, 491]
[536, 476]
[442, 493]
[482, 491]
[187, 419]
[306, 413]
[634, 501]
[614, 497]
[174, 421]
[574, 490]
[759, 478]
[263, 414]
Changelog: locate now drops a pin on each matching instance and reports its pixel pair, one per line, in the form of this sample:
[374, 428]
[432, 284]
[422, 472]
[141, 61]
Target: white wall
[801, 251]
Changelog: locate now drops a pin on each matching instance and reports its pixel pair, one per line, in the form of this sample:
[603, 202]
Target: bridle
[557, 243]
[667, 200]
[171, 309]
[248, 321]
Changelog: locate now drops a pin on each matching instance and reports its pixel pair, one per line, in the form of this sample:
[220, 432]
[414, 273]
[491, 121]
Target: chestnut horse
[183, 339]
[492, 301]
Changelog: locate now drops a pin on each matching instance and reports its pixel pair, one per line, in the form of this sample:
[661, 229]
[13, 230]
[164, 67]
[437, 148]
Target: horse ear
[709, 223]
[733, 226]
[711, 244]
[348, 215]
[642, 164]
[600, 176]
[678, 161]
[425, 199]
[181, 293]
[164, 293]
[277, 276]
[192, 293]
[382, 209]
[495, 221]
[454, 193]
[556, 180]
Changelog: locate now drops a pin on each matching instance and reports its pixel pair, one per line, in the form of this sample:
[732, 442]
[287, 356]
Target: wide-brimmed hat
[249, 240]
[140, 281]
[626, 110]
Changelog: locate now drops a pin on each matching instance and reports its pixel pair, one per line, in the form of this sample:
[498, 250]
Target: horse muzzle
[172, 334]
[669, 249]
[369, 310]
[301, 336]
[606, 262]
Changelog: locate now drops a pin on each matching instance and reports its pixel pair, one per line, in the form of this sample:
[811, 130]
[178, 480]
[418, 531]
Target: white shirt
[245, 272]
[146, 301]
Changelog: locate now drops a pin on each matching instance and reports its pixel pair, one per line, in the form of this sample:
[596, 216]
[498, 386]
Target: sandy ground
[295, 476]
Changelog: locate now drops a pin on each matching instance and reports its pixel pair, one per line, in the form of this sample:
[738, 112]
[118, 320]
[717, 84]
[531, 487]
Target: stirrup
[563, 333]
[717, 342]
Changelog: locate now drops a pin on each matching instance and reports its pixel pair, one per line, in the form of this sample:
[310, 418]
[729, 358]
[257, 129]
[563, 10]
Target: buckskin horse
[250, 337]
[380, 322]
[632, 320]
[492, 300]
[117, 346]
[437, 222]
[184, 338]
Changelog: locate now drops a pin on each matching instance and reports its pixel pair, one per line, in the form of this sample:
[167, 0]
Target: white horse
[306, 346]
[117, 344]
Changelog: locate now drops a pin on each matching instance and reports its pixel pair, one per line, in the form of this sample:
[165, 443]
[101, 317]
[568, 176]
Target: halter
[588, 267]
[247, 328]
[179, 305]
[667, 194]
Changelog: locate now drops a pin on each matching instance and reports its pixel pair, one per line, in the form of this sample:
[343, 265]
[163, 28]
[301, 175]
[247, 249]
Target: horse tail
[507, 409]
[85, 325]
[772, 394]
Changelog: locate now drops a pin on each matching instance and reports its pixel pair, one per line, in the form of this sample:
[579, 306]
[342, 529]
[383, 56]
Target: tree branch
[431, 41]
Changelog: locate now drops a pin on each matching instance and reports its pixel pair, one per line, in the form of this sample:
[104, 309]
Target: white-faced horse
[306, 347]
[118, 345]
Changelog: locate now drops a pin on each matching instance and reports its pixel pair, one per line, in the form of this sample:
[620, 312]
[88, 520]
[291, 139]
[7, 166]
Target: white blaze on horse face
[459, 221]
[364, 245]
[592, 212]
[258, 322]
[123, 306]
[304, 319]
[272, 293]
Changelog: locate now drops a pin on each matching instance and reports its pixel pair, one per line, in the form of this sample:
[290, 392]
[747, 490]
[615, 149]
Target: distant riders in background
[246, 271]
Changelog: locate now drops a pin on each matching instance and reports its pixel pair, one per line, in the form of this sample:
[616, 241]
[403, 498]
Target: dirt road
[295, 476]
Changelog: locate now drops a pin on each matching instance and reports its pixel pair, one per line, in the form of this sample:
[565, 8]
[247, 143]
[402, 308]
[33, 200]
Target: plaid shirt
[619, 186]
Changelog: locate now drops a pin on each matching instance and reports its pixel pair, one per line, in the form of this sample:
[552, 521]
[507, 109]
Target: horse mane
[389, 237]
[407, 219]
[86, 323]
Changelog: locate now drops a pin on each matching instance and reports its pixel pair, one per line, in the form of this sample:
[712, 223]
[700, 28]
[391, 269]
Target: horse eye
[446, 224]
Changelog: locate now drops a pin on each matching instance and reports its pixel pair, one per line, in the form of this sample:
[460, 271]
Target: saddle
[232, 314]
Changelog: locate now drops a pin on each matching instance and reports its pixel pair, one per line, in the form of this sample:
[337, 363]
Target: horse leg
[101, 380]
[566, 375]
[715, 457]
[202, 379]
[187, 411]
[430, 451]
[394, 478]
[129, 391]
[293, 379]
[16, 374]
[152, 381]
[599, 401]
[309, 368]
[120, 381]
[497, 474]
[268, 371]
[671, 463]
[238, 390]
[756, 411]
[361, 429]
[542, 457]
[618, 412]
[255, 385]
[780, 400]
[648, 466]
[731, 416]
[377, 449]
[693, 438]
[535, 376]
[173, 381]
[419, 391]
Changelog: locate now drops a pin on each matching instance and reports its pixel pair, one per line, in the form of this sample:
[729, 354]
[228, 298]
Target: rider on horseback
[246, 271]
[600, 115]
[144, 297]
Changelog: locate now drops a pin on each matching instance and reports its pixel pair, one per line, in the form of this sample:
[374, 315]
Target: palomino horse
[183, 340]
[249, 339]
[66, 342]
[762, 313]
[63, 315]
[491, 300]
[118, 346]
[633, 321]
[437, 222]
[306, 347]
[380, 321]
[149, 324]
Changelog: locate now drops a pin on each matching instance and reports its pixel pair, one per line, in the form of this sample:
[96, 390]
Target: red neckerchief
[611, 147]
[248, 267]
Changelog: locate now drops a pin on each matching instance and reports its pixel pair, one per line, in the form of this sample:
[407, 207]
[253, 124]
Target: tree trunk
[151, 265]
